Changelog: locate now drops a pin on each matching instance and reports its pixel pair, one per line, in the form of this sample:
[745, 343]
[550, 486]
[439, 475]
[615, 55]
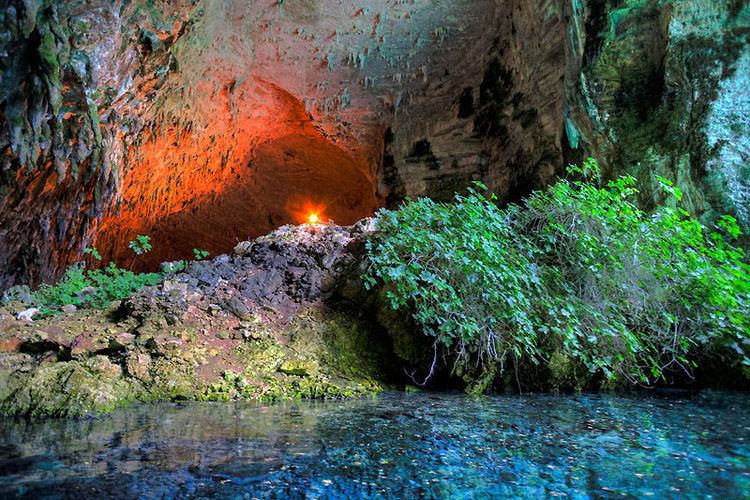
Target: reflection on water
[394, 446]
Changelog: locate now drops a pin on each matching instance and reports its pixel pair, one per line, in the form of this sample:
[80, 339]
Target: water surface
[426, 445]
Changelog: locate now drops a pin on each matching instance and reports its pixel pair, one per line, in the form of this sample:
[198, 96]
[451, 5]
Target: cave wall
[493, 117]
[662, 88]
[55, 177]
[205, 122]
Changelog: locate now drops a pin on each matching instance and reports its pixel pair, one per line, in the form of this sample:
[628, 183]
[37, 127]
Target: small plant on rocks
[98, 287]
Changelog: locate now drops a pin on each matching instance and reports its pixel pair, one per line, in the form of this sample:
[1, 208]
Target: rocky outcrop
[286, 315]
[273, 320]
[203, 123]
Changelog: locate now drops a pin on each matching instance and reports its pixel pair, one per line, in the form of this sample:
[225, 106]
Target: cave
[293, 173]
[201, 124]
[289, 180]
[262, 133]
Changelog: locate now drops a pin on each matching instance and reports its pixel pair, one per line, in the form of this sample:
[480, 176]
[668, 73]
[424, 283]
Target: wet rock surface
[269, 321]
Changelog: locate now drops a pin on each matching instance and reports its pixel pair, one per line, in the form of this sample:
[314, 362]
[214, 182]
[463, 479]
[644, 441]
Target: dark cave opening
[286, 180]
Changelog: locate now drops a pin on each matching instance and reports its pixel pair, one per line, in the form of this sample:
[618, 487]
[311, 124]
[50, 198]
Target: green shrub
[140, 245]
[579, 272]
[95, 288]
[200, 254]
[108, 284]
[98, 287]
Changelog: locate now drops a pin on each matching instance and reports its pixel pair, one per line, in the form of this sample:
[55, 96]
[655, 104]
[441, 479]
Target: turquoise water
[426, 445]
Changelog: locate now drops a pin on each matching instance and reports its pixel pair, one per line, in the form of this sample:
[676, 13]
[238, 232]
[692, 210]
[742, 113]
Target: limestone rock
[27, 314]
[69, 309]
[293, 342]
[660, 88]
[237, 307]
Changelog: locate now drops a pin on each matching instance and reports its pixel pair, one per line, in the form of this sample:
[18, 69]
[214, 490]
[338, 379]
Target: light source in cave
[308, 212]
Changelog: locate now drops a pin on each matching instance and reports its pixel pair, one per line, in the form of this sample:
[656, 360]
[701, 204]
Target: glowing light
[306, 212]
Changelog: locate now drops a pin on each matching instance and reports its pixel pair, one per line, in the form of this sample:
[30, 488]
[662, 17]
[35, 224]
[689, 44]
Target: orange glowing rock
[183, 202]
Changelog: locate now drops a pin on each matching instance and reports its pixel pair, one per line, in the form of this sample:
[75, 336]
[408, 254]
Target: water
[672, 445]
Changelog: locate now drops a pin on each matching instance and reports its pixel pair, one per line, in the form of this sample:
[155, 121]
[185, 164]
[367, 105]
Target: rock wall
[203, 123]
[662, 88]
[492, 116]
[55, 177]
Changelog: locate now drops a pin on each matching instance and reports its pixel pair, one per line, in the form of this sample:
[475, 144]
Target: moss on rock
[63, 389]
